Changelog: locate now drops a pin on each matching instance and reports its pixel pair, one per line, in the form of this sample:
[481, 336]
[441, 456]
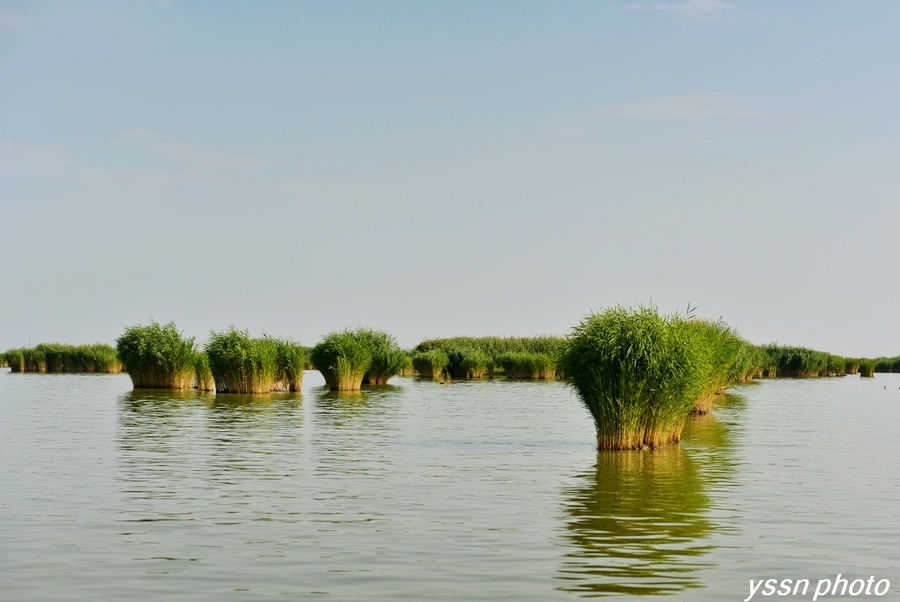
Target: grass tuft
[528, 365]
[431, 363]
[388, 359]
[292, 360]
[242, 364]
[203, 376]
[157, 356]
[343, 358]
[637, 372]
[867, 368]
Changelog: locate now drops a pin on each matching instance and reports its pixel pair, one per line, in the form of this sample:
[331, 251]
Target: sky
[447, 168]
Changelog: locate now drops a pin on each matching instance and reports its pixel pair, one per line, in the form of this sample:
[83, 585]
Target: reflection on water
[640, 520]
[352, 429]
[172, 439]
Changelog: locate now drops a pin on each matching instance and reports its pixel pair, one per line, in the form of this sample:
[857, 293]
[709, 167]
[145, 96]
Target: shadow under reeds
[641, 521]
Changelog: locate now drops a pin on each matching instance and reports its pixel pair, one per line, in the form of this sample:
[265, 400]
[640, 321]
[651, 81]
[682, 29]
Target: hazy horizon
[448, 168]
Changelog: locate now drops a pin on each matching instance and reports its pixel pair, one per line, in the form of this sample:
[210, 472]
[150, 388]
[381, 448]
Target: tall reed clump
[431, 363]
[388, 359]
[3, 362]
[467, 354]
[887, 364]
[157, 356]
[721, 348]
[292, 360]
[528, 365]
[61, 357]
[797, 361]
[467, 361]
[751, 361]
[241, 364]
[835, 366]
[408, 368]
[867, 368]
[343, 358]
[15, 359]
[637, 372]
[203, 376]
[851, 365]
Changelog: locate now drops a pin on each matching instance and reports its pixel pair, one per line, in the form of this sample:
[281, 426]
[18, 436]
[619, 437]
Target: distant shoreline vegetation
[159, 356]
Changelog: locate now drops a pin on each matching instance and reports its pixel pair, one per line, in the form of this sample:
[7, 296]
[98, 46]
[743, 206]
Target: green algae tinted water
[417, 491]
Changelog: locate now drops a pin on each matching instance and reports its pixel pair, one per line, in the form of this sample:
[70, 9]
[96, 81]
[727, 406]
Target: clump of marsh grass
[15, 359]
[157, 356]
[887, 364]
[492, 347]
[61, 357]
[528, 365]
[35, 359]
[431, 363]
[851, 366]
[474, 364]
[292, 360]
[797, 361]
[408, 369]
[203, 376]
[637, 372]
[467, 361]
[751, 361]
[343, 358]
[721, 348]
[867, 368]
[242, 364]
[388, 359]
[835, 366]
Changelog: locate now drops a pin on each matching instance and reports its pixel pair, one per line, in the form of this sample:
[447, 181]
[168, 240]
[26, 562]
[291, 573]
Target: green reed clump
[241, 363]
[157, 356]
[15, 359]
[721, 348]
[887, 364]
[835, 366]
[752, 361]
[203, 376]
[35, 359]
[637, 372]
[292, 360]
[388, 359]
[3, 362]
[525, 365]
[80, 358]
[466, 361]
[473, 363]
[851, 365]
[867, 368]
[797, 361]
[408, 368]
[491, 346]
[343, 357]
[431, 363]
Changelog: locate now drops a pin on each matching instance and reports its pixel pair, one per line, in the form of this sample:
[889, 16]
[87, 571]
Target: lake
[488, 490]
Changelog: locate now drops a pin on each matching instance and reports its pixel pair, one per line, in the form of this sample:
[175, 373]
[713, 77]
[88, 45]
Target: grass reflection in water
[640, 521]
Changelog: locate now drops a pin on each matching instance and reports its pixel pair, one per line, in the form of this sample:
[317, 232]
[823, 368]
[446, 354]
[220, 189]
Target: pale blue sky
[449, 168]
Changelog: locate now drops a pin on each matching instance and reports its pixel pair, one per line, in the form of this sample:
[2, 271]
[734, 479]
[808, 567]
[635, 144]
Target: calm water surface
[417, 491]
